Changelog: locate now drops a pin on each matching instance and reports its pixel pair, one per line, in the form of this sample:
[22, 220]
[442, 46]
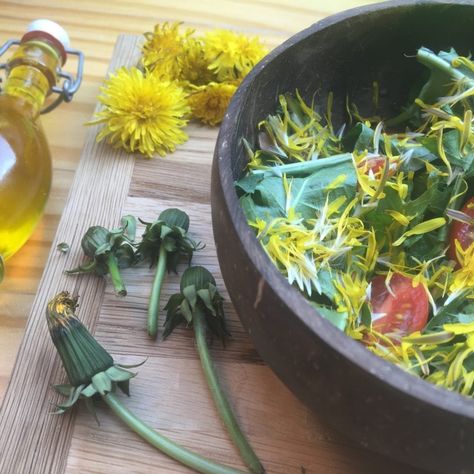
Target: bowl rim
[387, 372]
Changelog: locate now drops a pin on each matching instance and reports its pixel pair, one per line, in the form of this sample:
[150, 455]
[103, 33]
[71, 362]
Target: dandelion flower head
[209, 103]
[231, 55]
[163, 50]
[142, 113]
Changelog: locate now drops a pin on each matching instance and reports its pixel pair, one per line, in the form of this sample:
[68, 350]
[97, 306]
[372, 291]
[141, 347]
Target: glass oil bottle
[33, 72]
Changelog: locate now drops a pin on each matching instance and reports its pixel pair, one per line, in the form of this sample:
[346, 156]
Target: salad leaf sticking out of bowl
[374, 223]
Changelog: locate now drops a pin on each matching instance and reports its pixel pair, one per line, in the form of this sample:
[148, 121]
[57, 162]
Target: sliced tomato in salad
[403, 310]
[375, 163]
[462, 231]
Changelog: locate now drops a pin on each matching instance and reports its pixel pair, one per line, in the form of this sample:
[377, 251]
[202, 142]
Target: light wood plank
[97, 195]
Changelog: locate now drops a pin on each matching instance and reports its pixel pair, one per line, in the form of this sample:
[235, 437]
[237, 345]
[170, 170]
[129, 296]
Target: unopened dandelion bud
[82, 356]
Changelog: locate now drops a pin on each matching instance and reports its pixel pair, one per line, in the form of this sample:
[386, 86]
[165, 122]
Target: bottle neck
[31, 75]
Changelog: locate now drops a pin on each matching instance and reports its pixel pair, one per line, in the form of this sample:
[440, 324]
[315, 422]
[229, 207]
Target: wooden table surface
[93, 27]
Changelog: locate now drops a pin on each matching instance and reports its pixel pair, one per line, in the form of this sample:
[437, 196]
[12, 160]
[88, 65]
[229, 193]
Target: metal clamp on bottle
[69, 85]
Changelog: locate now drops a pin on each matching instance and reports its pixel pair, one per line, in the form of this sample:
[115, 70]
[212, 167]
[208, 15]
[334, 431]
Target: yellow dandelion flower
[142, 113]
[232, 55]
[208, 103]
[163, 49]
[194, 65]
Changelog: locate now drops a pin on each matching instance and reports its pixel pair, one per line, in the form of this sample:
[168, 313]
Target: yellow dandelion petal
[442, 153]
[422, 228]
[463, 61]
[141, 113]
[463, 278]
[399, 217]
[459, 328]
[209, 103]
[336, 183]
[232, 55]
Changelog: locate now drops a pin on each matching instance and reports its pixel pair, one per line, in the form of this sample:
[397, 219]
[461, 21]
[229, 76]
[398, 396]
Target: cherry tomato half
[376, 163]
[404, 311]
[462, 231]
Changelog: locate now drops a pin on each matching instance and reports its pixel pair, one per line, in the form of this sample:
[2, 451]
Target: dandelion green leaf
[270, 199]
[248, 183]
[359, 138]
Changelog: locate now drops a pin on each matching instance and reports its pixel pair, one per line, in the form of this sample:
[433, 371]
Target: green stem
[305, 167]
[154, 305]
[434, 62]
[165, 445]
[222, 404]
[114, 271]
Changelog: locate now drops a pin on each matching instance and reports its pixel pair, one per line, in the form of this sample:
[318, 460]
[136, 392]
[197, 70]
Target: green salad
[374, 222]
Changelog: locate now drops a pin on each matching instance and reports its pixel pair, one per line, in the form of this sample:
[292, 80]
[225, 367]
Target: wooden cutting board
[169, 392]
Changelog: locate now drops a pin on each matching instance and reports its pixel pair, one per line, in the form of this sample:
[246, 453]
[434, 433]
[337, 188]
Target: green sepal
[170, 232]
[198, 293]
[124, 386]
[100, 244]
[102, 383]
[186, 310]
[206, 298]
[89, 391]
[117, 374]
[91, 409]
[129, 226]
[189, 293]
[63, 389]
[132, 366]
[73, 398]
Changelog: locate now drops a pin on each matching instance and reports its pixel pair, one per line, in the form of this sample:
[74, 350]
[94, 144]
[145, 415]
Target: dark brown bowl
[375, 402]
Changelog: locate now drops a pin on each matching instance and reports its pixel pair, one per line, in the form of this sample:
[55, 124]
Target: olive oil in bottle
[25, 161]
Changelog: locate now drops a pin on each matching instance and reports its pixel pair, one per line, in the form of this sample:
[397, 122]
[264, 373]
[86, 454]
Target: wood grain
[169, 391]
[97, 195]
